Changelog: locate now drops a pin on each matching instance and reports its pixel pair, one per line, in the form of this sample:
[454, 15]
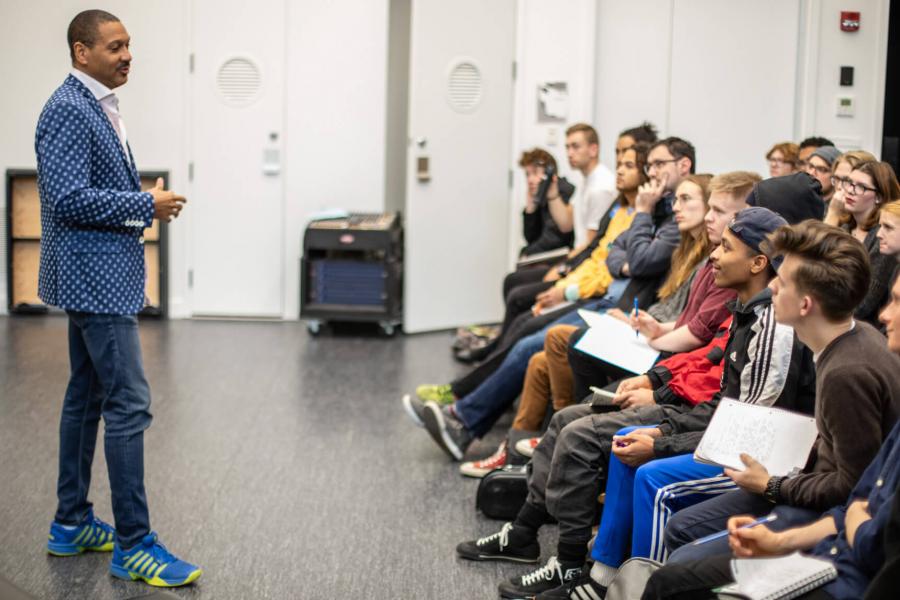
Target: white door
[237, 108]
[460, 119]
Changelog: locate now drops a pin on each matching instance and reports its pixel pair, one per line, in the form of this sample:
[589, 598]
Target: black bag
[502, 492]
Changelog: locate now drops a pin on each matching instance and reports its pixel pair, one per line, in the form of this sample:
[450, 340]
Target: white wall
[824, 49]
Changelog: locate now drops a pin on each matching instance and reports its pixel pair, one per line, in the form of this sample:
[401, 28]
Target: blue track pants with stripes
[640, 501]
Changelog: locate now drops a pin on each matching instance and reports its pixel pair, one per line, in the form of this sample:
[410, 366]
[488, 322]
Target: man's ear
[758, 264]
[594, 149]
[684, 166]
[79, 50]
[806, 305]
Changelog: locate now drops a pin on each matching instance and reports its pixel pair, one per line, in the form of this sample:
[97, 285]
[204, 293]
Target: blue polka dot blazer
[92, 210]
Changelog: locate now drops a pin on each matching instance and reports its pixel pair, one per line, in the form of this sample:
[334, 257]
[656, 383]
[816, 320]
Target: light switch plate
[846, 106]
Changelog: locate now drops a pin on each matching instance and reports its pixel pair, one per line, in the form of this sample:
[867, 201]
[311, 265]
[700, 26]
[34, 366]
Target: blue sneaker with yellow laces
[151, 562]
[92, 535]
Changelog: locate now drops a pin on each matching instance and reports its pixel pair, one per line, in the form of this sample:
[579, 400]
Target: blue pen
[636, 311]
[721, 534]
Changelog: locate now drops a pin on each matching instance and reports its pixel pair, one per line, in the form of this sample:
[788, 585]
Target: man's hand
[650, 193]
[633, 449]
[641, 382]
[634, 398]
[857, 514]
[753, 541]
[645, 324]
[752, 479]
[547, 299]
[552, 273]
[166, 205]
[553, 190]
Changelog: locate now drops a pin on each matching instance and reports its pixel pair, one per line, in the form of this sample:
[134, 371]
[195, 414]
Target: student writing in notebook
[850, 536]
[824, 276]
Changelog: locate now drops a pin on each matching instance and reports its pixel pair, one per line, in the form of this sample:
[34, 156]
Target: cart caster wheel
[314, 327]
[388, 329]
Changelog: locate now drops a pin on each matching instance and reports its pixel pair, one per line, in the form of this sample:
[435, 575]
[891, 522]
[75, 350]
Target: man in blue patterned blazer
[92, 265]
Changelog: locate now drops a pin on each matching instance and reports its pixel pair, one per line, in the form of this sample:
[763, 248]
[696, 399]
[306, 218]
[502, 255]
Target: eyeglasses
[779, 161]
[818, 169]
[848, 185]
[657, 164]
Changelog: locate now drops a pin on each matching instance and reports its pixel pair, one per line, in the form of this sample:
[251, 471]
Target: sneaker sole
[122, 573]
[469, 470]
[434, 424]
[477, 556]
[407, 406]
[63, 550]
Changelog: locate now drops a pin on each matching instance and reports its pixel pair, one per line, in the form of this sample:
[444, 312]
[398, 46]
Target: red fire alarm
[849, 21]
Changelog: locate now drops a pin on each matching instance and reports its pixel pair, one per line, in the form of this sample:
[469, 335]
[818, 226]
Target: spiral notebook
[779, 578]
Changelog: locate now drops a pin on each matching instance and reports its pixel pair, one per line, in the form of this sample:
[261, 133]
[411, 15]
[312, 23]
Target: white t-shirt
[592, 199]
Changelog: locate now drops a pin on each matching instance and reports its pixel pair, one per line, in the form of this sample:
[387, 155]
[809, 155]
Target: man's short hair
[834, 266]
[538, 157]
[678, 148]
[736, 183]
[645, 132]
[590, 134]
[84, 28]
[815, 142]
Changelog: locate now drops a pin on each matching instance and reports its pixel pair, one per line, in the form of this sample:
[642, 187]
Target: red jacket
[691, 377]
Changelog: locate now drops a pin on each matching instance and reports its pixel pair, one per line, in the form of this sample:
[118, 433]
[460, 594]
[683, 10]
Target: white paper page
[779, 439]
[766, 577]
[614, 341]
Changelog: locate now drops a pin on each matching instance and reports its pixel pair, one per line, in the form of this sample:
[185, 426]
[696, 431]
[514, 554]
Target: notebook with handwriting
[779, 439]
[778, 578]
[615, 342]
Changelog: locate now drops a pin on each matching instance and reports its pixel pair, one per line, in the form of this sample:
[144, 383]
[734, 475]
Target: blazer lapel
[95, 104]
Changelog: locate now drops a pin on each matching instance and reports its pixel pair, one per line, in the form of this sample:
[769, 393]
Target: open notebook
[613, 341]
[779, 439]
[779, 578]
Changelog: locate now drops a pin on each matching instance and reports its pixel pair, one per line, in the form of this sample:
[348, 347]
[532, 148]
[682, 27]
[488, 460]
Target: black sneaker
[550, 576]
[497, 547]
[582, 588]
[414, 409]
[447, 430]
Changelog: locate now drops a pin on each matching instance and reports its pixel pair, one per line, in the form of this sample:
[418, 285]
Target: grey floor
[281, 463]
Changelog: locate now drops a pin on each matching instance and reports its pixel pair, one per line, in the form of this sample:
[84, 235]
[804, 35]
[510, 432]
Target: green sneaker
[440, 394]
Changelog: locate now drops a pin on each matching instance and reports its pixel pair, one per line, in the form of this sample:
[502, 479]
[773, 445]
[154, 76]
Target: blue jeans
[107, 379]
[480, 409]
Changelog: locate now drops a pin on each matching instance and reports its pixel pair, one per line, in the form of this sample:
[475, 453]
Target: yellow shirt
[592, 276]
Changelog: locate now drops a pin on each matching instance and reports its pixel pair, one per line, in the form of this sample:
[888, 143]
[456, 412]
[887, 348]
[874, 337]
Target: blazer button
[141, 239]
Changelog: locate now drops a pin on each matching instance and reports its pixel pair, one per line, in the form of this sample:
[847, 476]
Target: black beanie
[796, 197]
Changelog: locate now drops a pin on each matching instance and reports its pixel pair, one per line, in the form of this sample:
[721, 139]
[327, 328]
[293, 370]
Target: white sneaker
[526, 447]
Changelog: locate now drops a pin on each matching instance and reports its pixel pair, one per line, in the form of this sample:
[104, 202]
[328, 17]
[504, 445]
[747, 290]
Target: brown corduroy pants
[548, 379]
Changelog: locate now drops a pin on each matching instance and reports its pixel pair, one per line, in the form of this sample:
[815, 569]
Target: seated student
[820, 165]
[823, 278]
[843, 165]
[728, 194]
[493, 385]
[782, 159]
[642, 492]
[868, 186]
[807, 147]
[592, 211]
[889, 230]
[642, 252]
[690, 208]
[546, 221]
[570, 462]
[643, 133]
[849, 536]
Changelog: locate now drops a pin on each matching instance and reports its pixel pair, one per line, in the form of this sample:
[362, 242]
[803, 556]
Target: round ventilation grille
[238, 81]
[464, 91]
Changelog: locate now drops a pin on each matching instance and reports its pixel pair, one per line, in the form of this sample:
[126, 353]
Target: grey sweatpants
[568, 469]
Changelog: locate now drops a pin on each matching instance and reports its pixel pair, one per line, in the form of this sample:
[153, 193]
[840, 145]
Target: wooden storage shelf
[23, 228]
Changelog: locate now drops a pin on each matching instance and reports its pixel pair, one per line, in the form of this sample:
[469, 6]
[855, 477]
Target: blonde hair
[690, 251]
[892, 208]
[854, 158]
[736, 183]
